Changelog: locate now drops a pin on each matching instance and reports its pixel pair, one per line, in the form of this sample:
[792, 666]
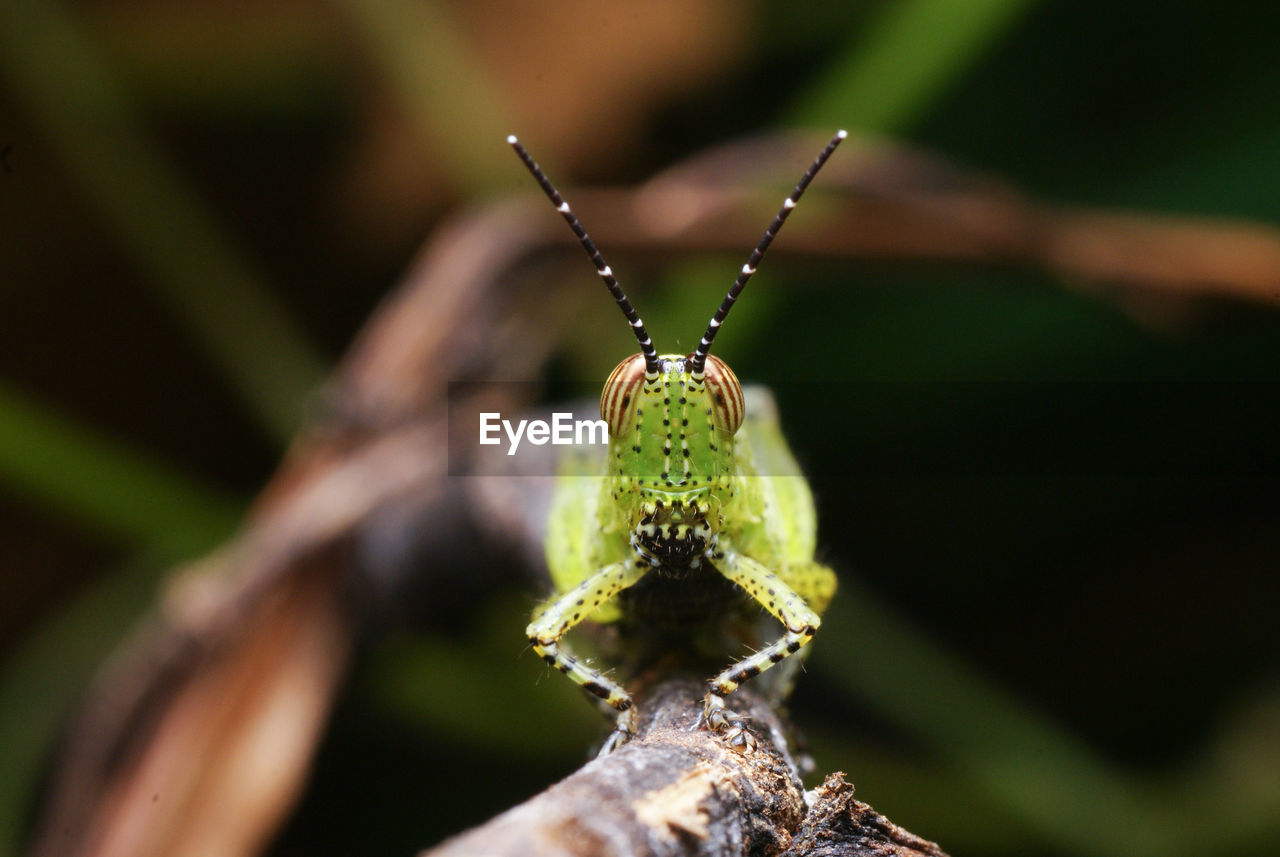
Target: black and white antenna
[605, 272]
[699, 358]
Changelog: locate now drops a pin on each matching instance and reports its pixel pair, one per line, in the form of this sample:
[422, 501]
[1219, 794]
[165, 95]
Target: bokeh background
[1043, 644]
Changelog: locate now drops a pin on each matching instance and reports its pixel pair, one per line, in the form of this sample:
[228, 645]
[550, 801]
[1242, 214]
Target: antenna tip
[511, 139]
[840, 135]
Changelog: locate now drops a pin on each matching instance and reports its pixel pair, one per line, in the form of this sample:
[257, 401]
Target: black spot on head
[626, 400]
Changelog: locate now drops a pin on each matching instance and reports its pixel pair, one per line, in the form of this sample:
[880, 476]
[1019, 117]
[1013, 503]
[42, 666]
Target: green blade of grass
[114, 490]
[446, 687]
[59, 78]
[1054, 783]
[903, 61]
[123, 495]
[49, 671]
[440, 85]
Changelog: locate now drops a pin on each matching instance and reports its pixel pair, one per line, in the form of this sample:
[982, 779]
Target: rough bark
[681, 790]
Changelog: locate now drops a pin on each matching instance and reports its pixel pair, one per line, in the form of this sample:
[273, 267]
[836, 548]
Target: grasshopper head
[672, 418]
[671, 450]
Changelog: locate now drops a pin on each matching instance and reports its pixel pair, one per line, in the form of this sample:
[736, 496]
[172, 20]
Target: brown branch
[680, 790]
[889, 201]
[839, 826]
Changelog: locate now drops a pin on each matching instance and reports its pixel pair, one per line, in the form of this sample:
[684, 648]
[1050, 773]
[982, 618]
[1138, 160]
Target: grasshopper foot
[623, 731]
[728, 724]
[740, 738]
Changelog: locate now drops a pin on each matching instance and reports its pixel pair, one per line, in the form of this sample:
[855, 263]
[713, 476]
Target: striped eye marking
[621, 392]
[727, 403]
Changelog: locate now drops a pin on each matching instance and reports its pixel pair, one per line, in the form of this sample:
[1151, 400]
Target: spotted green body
[699, 519]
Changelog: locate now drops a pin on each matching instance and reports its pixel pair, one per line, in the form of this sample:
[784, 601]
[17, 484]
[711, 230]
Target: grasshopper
[700, 515]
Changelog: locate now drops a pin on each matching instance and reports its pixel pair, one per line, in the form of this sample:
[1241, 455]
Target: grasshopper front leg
[784, 604]
[577, 604]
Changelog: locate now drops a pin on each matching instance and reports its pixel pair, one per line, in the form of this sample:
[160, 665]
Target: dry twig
[679, 790]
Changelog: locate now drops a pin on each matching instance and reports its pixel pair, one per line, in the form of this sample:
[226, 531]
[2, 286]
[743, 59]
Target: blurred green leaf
[261, 60]
[48, 673]
[108, 487]
[427, 61]
[468, 689]
[920, 794]
[92, 122]
[1053, 782]
[903, 61]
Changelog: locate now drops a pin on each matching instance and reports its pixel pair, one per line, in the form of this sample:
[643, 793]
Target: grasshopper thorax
[671, 452]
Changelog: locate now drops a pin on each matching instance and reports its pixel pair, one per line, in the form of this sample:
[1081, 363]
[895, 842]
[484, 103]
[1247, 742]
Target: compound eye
[621, 394]
[726, 395]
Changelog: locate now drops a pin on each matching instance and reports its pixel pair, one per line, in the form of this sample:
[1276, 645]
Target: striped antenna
[605, 272]
[753, 261]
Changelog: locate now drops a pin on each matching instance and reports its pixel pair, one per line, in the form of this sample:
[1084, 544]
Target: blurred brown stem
[896, 203]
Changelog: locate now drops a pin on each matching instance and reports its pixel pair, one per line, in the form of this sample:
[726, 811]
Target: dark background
[1041, 634]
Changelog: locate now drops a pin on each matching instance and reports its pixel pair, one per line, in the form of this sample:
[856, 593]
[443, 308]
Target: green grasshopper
[683, 531]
